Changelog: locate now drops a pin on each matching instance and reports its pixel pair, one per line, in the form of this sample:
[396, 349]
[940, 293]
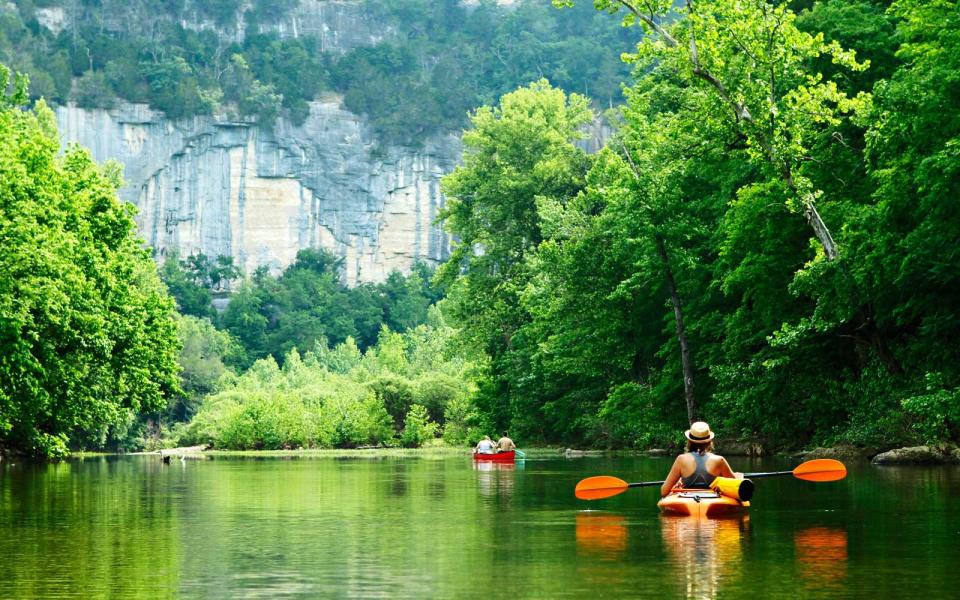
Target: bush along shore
[404, 391]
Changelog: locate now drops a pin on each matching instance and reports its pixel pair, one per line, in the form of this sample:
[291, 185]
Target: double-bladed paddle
[604, 486]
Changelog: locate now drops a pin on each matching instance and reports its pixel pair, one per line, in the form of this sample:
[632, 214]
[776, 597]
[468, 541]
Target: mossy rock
[739, 447]
[847, 452]
[919, 455]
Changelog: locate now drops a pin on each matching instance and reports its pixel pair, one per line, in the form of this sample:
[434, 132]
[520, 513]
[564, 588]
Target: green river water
[323, 527]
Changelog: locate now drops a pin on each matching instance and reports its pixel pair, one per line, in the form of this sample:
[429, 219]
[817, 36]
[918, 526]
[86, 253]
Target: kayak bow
[700, 503]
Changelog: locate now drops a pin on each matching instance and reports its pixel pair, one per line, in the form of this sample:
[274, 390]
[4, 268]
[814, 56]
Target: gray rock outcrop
[220, 186]
[732, 447]
[918, 455]
[845, 452]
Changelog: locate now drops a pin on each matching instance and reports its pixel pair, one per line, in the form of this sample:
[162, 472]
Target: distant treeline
[308, 302]
[442, 59]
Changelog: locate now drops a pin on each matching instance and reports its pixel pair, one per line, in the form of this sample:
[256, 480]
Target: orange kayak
[700, 503]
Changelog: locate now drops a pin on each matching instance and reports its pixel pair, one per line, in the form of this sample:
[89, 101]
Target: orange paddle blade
[822, 469]
[602, 486]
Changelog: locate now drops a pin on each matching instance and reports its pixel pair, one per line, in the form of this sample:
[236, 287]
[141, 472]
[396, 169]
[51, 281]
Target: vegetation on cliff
[435, 60]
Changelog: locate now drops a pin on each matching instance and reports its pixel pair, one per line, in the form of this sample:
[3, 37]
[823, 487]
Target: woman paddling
[698, 466]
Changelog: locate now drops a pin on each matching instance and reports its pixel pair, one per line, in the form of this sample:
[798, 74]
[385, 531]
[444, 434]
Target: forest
[770, 241]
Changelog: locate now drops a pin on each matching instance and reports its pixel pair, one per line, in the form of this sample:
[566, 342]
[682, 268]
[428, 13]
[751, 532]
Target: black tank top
[700, 479]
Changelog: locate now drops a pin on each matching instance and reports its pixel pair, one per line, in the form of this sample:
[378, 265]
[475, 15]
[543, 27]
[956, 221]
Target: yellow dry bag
[740, 489]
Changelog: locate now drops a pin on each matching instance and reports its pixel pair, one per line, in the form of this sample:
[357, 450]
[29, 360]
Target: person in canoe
[505, 444]
[698, 466]
[485, 446]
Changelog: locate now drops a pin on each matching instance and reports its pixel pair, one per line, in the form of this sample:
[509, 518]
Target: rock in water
[919, 455]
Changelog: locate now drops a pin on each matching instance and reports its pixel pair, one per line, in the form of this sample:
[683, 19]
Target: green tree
[192, 297]
[86, 328]
[405, 304]
[93, 91]
[517, 155]
[417, 427]
[756, 62]
[207, 354]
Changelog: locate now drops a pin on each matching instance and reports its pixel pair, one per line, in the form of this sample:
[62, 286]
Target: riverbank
[423, 452]
[934, 454]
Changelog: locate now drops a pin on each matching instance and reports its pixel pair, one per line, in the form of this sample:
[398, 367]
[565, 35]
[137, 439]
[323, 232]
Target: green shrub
[418, 428]
[461, 421]
[396, 393]
[935, 413]
[435, 391]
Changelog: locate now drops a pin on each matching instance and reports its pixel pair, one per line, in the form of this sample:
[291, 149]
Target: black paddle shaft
[745, 475]
[645, 484]
[770, 474]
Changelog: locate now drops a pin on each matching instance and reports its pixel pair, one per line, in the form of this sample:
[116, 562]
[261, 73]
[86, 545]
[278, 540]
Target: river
[323, 527]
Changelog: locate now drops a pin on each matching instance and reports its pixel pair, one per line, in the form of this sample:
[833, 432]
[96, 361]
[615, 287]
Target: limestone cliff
[260, 194]
[222, 186]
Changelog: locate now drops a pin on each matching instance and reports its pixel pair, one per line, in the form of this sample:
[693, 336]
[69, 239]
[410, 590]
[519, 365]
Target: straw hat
[699, 433]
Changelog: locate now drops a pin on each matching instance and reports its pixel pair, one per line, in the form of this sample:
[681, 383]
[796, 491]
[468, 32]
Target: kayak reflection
[821, 557]
[706, 552]
[600, 533]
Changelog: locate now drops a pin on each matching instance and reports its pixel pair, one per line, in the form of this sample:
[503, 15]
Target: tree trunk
[820, 229]
[685, 360]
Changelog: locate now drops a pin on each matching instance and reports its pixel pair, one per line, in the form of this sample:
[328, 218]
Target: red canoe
[498, 457]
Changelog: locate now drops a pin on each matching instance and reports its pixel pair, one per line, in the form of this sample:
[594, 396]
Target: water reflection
[821, 557]
[705, 552]
[494, 479]
[603, 534]
[131, 527]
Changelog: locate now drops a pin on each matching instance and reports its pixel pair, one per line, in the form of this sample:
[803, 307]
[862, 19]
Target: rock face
[222, 187]
[846, 452]
[259, 194]
[731, 447]
[338, 25]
